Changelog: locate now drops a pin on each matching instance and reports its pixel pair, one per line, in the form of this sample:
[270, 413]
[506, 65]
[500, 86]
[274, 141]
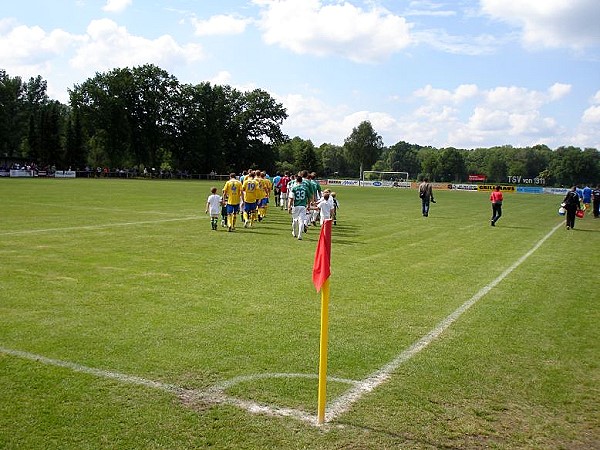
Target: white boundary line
[95, 227]
[213, 395]
[342, 404]
[96, 372]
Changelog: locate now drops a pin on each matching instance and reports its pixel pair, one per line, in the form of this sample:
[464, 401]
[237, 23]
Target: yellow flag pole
[323, 352]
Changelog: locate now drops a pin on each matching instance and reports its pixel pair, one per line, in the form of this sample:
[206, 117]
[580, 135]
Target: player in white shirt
[213, 205]
[324, 206]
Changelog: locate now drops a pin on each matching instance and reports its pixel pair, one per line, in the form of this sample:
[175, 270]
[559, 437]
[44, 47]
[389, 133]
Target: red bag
[580, 213]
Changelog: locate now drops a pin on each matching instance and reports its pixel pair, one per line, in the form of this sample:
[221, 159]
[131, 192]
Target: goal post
[377, 175]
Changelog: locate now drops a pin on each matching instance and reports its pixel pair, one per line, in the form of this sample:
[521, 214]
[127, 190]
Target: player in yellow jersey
[249, 191]
[266, 186]
[232, 191]
[260, 195]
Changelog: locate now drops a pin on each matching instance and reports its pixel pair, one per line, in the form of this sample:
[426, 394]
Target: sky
[455, 73]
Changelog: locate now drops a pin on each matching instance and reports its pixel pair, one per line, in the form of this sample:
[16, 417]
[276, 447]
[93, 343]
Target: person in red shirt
[283, 187]
[496, 199]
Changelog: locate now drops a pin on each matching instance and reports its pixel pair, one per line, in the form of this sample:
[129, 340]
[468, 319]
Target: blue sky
[461, 73]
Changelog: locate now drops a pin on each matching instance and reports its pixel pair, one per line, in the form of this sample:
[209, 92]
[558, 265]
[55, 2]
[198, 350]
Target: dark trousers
[570, 220]
[596, 208]
[425, 206]
[496, 211]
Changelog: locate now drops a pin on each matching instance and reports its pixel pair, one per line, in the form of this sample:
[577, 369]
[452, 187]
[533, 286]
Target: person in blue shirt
[586, 197]
[277, 188]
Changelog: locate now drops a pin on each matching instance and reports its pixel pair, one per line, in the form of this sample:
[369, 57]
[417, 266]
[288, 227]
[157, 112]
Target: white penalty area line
[213, 395]
[96, 227]
[130, 379]
[346, 400]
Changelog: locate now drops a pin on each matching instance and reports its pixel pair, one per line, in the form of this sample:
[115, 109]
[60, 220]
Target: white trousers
[298, 218]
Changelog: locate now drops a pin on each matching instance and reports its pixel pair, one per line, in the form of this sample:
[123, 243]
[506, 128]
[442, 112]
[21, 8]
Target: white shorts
[299, 213]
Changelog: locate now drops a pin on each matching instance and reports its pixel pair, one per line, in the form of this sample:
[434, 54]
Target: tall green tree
[430, 164]
[105, 104]
[403, 157]
[496, 167]
[333, 160]
[151, 111]
[570, 166]
[257, 118]
[201, 123]
[13, 116]
[475, 161]
[75, 151]
[452, 166]
[43, 123]
[53, 118]
[301, 154]
[363, 147]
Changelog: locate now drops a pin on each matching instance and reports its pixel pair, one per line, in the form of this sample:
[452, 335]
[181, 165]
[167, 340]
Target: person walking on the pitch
[571, 203]
[213, 204]
[586, 196]
[277, 188]
[596, 201]
[496, 199]
[232, 192]
[426, 195]
[336, 206]
[297, 203]
[250, 189]
[283, 189]
[324, 207]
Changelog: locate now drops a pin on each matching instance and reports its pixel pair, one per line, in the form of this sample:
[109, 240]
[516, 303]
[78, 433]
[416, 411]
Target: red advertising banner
[477, 177]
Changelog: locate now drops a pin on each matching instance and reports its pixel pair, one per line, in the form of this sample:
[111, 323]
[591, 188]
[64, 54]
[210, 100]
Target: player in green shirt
[299, 197]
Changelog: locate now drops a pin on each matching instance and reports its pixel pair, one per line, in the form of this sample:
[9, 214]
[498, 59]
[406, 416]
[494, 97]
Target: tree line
[143, 117]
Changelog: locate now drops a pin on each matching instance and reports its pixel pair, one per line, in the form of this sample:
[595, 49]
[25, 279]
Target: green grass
[126, 276]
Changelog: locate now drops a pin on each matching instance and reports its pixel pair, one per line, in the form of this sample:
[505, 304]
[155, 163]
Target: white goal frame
[378, 175]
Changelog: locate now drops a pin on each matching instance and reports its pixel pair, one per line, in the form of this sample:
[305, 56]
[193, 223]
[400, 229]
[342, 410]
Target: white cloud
[109, 45]
[460, 94]
[484, 120]
[310, 116]
[464, 117]
[23, 45]
[559, 90]
[592, 115]
[220, 25]
[442, 115]
[381, 122]
[441, 40]
[521, 99]
[310, 27]
[31, 51]
[469, 116]
[550, 23]
[116, 6]
[428, 8]
[514, 98]
[221, 78]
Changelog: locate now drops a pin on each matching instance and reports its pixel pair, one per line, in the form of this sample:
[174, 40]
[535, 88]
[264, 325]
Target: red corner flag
[322, 267]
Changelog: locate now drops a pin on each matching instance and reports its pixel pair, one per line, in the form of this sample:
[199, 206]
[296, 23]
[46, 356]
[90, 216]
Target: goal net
[376, 175]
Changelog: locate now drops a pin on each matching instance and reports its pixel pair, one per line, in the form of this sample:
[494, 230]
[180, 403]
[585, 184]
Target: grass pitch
[126, 278]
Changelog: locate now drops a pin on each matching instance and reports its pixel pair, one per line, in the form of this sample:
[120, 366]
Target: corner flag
[321, 272]
[322, 266]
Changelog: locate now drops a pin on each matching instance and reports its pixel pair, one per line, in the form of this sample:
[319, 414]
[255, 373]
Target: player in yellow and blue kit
[232, 191]
[249, 193]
